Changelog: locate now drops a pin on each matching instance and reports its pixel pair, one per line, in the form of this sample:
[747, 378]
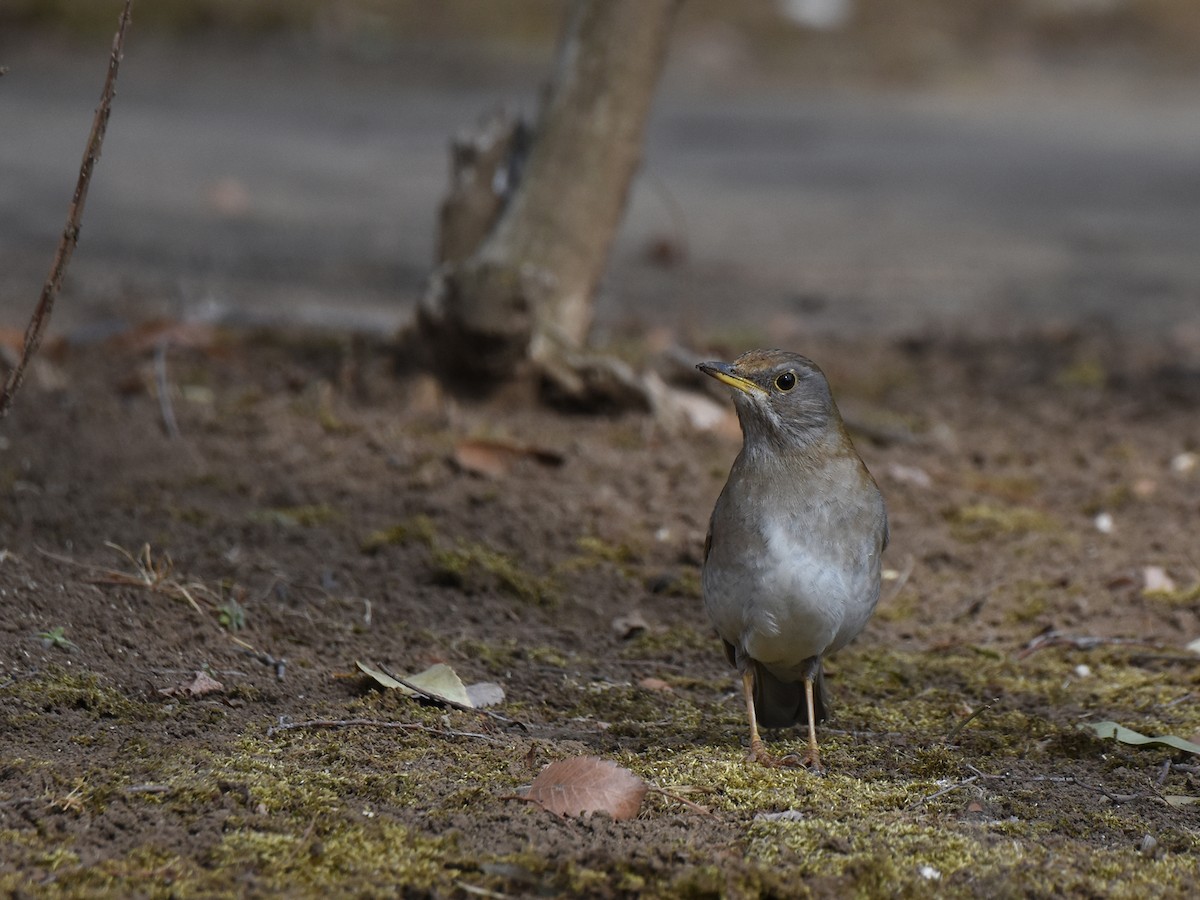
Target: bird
[793, 554]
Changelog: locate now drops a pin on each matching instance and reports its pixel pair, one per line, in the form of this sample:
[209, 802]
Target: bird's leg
[812, 759]
[758, 752]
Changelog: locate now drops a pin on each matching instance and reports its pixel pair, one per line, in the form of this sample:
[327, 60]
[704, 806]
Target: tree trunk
[527, 290]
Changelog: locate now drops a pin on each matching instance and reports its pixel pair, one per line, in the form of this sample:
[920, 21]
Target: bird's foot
[758, 754]
[811, 760]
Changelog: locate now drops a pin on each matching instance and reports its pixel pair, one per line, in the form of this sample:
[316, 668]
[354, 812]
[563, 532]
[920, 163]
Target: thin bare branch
[379, 723]
[70, 235]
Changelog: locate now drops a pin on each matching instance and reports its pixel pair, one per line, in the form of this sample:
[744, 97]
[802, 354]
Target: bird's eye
[786, 381]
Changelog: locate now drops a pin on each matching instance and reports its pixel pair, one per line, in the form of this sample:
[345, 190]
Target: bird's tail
[779, 703]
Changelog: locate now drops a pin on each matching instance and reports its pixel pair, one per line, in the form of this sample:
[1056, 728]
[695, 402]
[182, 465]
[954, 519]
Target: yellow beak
[724, 372]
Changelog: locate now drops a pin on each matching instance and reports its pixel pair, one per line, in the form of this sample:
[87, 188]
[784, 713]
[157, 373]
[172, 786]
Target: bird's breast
[789, 578]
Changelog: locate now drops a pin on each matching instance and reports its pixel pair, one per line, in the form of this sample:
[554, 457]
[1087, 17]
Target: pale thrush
[792, 558]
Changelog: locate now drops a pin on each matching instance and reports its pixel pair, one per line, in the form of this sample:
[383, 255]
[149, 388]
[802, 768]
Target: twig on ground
[694, 807]
[279, 665]
[147, 789]
[946, 790]
[70, 235]
[1166, 770]
[1080, 642]
[379, 723]
[166, 408]
[154, 575]
[438, 698]
[967, 721]
[481, 892]
[1058, 779]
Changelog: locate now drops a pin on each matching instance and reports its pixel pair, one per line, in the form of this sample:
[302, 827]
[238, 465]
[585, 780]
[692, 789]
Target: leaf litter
[584, 785]
[439, 681]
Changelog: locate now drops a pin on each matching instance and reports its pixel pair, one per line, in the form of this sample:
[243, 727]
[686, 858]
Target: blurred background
[811, 166]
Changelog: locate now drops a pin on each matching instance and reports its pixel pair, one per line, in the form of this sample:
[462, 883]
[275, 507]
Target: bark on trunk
[527, 290]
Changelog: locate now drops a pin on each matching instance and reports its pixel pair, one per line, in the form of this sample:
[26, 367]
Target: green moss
[470, 565]
[81, 692]
[309, 516]
[419, 530]
[1083, 373]
[1179, 597]
[984, 522]
[595, 552]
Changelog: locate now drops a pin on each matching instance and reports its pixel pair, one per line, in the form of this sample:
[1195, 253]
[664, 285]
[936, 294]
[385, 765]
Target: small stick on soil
[279, 665]
[1058, 779]
[947, 790]
[1080, 642]
[379, 723]
[967, 721]
[438, 698]
[147, 789]
[694, 807]
[70, 235]
[164, 391]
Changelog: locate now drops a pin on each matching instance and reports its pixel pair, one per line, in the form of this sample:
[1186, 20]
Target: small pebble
[1184, 463]
[1104, 523]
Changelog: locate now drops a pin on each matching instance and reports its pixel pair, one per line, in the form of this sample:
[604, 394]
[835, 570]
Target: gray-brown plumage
[793, 555]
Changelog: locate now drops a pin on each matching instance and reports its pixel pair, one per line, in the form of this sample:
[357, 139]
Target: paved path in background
[263, 186]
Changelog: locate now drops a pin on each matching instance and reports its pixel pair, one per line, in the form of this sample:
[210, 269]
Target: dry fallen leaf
[495, 458]
[913, 475]
[147, 336]
[584, 785]
[200, 685]
[629, 625]
[441, 681]
[485, 693]
[1157, 580]
[654, 684]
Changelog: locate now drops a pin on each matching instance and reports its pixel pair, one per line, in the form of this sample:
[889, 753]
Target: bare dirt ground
[308, 513]
[312, 501]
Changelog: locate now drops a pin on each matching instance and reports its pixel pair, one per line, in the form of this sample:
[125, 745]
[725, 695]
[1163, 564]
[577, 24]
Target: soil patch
[309, 514]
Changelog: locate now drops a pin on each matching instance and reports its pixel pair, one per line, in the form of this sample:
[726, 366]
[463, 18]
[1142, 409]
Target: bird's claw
[811, 760]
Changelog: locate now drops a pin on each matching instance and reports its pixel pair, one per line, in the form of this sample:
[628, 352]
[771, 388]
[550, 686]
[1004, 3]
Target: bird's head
[782, 398]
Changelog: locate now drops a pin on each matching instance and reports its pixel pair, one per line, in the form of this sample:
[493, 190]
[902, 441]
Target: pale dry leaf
[583, 785]
[1155, 579]
[1194, 647]
[909, 475]
[629, 625]
[485, 693]
[1144, 488]
[201, 684]
[495, 458]
[439, 680]
[655, 684]
[1184, 463]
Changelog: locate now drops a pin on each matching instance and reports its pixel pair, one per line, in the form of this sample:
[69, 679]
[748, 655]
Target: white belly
[797, 597]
